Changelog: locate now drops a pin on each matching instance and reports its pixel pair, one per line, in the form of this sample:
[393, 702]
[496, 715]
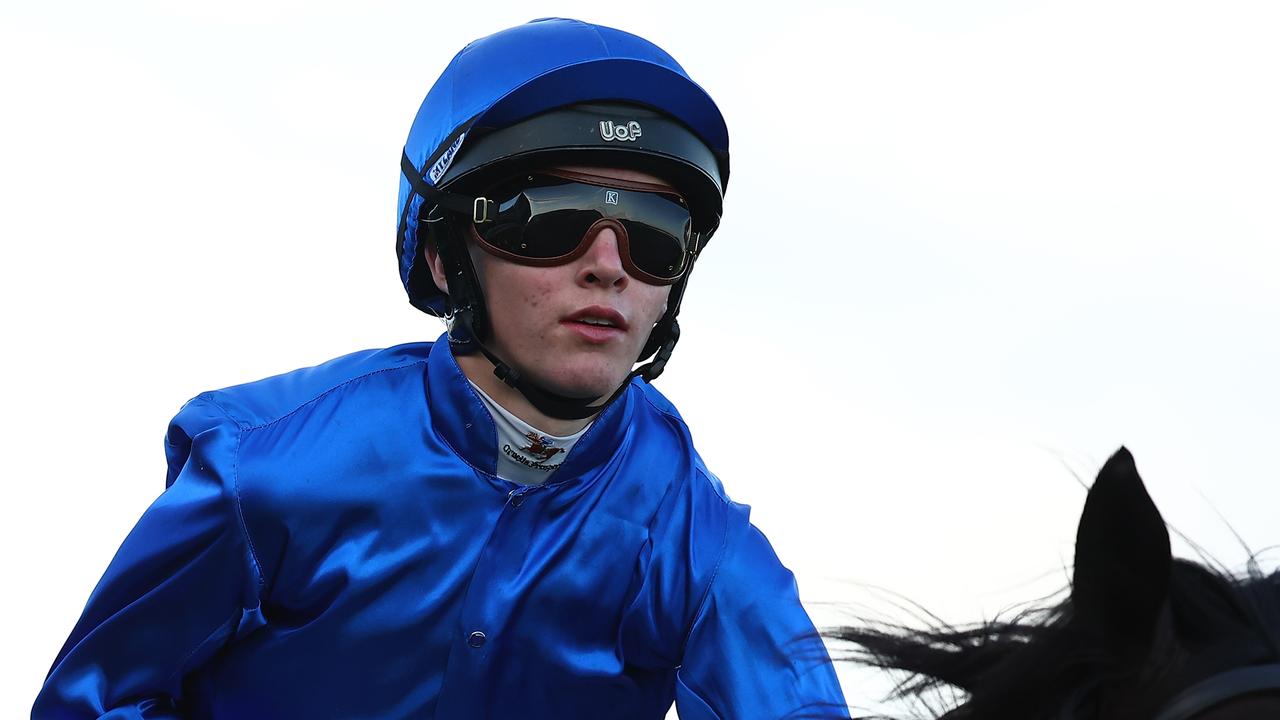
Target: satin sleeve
[183, 584]
[752, 651]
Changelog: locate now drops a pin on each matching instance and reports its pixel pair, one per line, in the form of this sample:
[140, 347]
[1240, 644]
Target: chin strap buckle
[507, 374]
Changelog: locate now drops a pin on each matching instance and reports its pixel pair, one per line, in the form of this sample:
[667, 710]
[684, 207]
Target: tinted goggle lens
[546, 220]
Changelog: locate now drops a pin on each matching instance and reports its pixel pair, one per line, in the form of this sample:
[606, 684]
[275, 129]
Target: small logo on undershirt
[540, 447]
[536, 453]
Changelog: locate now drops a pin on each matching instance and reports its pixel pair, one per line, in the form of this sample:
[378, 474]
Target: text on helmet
[629, 132]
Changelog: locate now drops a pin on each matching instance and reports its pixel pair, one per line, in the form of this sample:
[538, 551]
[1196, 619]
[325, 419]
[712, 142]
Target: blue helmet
[544, 93]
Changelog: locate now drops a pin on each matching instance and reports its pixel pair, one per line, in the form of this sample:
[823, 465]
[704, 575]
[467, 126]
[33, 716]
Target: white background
[969, 249]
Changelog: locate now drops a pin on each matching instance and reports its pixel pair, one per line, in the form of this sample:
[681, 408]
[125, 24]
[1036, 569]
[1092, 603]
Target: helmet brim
[580, 135]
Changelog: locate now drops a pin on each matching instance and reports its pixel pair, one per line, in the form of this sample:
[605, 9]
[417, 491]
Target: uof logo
[630, 131]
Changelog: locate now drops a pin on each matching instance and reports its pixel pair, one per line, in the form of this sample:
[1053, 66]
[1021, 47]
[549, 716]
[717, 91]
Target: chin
[584, 382]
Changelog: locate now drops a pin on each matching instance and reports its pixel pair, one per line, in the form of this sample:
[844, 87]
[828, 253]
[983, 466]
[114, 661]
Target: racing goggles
[550, 218]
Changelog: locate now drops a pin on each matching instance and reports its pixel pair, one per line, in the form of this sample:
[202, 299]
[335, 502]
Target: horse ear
[1122, 563]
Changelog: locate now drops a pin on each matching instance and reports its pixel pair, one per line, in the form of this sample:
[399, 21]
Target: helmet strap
[666, 333]
[466, 315]
[547, 402]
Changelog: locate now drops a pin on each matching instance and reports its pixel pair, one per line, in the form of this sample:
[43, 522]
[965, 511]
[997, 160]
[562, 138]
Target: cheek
[654, 302]
[538, 290]
[532, 295]
[503, 283]
[518, 296]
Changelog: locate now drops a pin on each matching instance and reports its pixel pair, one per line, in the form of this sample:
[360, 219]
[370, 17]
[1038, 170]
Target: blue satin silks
[333, 543]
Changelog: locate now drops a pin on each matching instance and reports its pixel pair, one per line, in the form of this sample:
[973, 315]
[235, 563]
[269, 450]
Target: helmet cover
[511, 77]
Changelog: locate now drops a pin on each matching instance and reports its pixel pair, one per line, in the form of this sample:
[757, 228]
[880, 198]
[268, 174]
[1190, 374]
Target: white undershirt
[526, 455]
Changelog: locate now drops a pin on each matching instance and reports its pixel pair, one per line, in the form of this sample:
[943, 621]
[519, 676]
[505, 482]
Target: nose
[601, 265]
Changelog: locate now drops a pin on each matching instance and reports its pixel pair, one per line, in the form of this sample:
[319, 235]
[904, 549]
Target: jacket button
[475, 639]
[517, 500]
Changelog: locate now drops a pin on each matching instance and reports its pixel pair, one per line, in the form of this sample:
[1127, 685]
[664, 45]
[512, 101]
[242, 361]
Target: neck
[479, 370]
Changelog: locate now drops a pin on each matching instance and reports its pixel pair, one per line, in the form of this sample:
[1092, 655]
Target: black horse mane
[1043, 657]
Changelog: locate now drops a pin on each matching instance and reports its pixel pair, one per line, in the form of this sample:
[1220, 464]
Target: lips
[597, 324]
[599, 316]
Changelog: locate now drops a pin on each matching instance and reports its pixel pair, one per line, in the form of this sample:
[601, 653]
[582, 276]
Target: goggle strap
[479, 209]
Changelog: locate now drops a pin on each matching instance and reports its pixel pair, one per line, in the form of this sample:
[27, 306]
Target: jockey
[510, 521]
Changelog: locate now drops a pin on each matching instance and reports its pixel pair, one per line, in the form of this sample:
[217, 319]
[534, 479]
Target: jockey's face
[576, 328]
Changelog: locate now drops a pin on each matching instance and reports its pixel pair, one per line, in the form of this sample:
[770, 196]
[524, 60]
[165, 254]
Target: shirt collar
[459, 417]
